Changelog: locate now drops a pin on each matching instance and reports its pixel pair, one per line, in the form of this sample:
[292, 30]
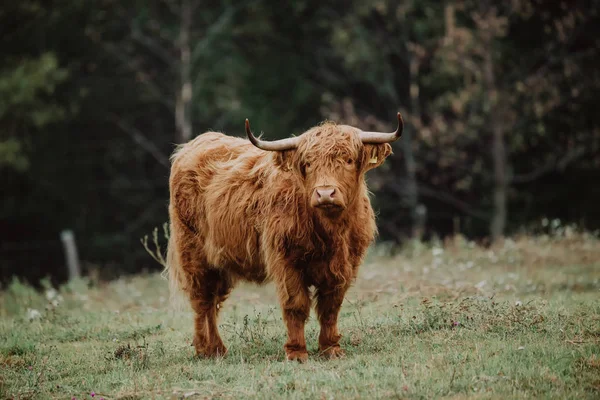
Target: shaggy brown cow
[294, 211]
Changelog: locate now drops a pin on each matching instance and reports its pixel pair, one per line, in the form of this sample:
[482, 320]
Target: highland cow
[294, 211]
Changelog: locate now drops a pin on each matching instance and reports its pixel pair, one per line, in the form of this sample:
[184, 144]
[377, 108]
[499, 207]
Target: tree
[26, 104]
[381, 74]
[166, 47]
[93, 96]
[478, 53]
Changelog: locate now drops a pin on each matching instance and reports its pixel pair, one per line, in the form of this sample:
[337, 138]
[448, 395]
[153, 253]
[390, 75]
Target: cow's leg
[329, 302]
[295, 304]
[211, 289]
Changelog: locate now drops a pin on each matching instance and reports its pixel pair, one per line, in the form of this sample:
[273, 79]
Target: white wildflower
[545, 222]
[437, 251]
[51, 294]
[492, 256]
[481, 284]
[32, 314]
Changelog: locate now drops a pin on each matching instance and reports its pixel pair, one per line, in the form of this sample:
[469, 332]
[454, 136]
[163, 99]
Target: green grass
[458, 321]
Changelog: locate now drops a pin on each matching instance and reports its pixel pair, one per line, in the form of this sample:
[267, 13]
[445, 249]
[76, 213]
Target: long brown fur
[241, 213]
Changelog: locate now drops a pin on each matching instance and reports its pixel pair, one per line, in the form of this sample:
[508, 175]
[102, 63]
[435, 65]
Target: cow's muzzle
[327, 197]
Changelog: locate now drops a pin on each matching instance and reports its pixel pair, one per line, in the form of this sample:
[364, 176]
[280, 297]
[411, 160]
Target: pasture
[449, 320]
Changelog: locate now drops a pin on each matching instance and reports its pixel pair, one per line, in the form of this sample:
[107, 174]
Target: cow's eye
[349, 161]
[304, 168]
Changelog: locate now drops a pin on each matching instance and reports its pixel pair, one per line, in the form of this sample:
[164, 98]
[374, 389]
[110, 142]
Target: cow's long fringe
[173, 272]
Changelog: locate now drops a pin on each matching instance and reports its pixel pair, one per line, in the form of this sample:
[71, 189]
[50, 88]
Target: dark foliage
[92, 104]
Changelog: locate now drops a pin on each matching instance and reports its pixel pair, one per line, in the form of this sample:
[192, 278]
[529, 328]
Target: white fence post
[71, 257]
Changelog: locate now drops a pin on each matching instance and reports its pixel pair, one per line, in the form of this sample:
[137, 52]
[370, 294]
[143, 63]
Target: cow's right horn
[276, 145]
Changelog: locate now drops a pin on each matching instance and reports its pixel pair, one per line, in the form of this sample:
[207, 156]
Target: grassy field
[452, 321]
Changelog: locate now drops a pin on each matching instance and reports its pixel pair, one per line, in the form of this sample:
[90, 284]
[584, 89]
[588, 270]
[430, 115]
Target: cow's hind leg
[295, 304]
[211, 288]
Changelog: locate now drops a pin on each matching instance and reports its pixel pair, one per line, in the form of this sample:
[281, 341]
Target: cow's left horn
[383, 137]
[276, 145]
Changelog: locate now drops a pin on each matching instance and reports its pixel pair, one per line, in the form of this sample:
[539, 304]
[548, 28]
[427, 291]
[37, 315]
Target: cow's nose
[325, 194]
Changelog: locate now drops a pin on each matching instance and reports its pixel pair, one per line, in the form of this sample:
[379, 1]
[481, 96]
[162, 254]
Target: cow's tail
[173, 272]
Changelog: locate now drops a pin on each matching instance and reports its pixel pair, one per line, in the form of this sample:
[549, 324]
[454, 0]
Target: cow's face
[331, 161]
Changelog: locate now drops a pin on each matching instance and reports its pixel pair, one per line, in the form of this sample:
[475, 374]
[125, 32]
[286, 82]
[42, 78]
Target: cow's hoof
[211, 351]
[300, 356]
[333, 352]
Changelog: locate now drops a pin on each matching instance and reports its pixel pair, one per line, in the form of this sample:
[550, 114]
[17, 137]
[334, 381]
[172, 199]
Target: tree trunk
[183, 104]
[417, 211]
[498, 222]
[450, 20]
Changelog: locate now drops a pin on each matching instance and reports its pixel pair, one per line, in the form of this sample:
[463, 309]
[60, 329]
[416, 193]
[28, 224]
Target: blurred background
[500, 101]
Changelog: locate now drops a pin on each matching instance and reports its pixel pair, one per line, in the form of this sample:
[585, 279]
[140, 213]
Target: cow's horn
[383, 137]
[276, 145]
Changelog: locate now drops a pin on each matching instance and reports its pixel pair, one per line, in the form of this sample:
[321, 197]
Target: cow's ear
[374, 155]
[284, 159]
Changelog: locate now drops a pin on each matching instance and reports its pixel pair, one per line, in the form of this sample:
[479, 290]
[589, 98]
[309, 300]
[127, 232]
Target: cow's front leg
[329, 302]
[295, 304]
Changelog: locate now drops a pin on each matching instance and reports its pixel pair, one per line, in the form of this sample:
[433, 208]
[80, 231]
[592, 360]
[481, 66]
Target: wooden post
[456, 225]
[420, 219]
[68, 239]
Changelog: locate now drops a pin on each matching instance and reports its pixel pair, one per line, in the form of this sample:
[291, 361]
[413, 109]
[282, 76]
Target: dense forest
[500, 101]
